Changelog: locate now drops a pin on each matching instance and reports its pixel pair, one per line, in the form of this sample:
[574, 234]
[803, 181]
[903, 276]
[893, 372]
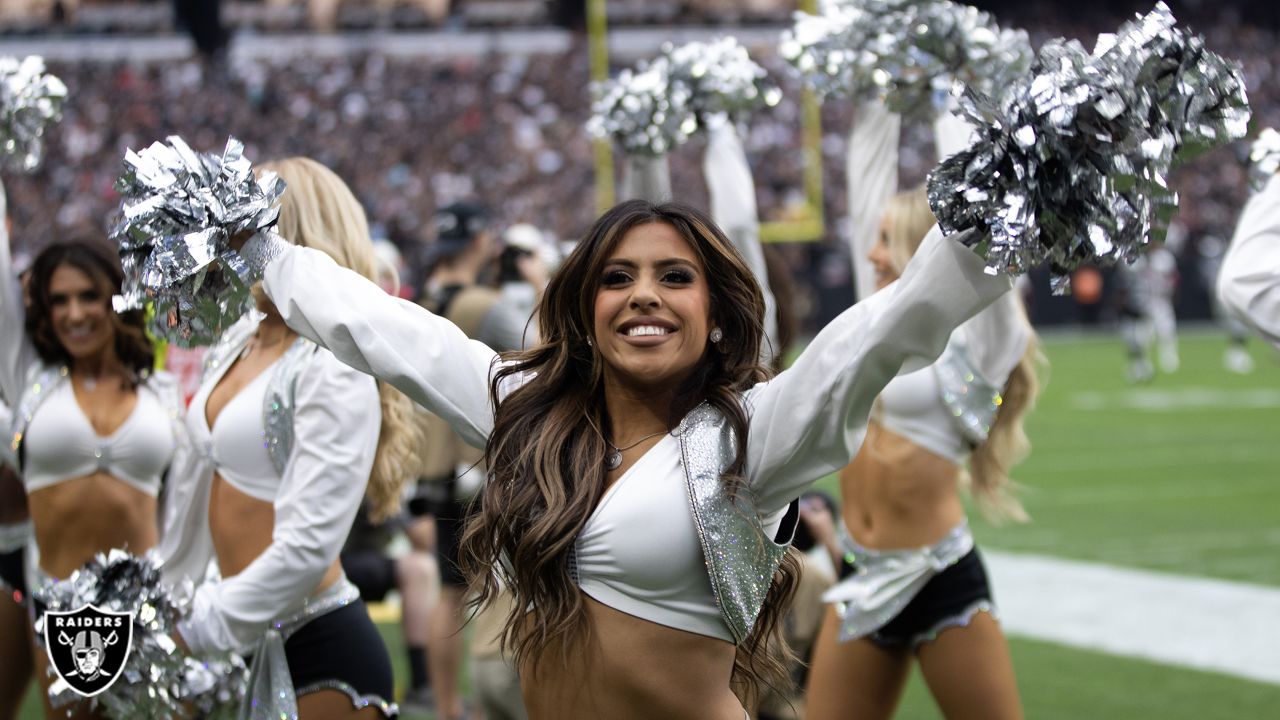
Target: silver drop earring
[589, 342]
[716, 336]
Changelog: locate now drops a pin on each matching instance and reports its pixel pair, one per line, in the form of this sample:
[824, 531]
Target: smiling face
[80, 313]
[652, 309]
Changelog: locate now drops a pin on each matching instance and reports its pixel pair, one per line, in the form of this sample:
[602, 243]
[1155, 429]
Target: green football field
[1181, 475]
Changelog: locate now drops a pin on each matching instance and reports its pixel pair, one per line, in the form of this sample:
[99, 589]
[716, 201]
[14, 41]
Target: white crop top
[639, 551]
[60, 444]
[911, 406]
[237, 443]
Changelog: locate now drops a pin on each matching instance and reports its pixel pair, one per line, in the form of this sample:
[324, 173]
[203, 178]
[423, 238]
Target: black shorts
[342, 650]
[13, 579]
[950, 598]
[371, 571]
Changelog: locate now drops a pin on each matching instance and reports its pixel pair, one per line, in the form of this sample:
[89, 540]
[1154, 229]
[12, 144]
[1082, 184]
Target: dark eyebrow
[669, 262]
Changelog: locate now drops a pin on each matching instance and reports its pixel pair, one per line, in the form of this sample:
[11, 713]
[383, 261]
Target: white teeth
[639, 330]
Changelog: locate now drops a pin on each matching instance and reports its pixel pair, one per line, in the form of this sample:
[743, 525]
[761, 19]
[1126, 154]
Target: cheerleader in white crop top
[284, 441]
[915, 572]
[93, 428]
[641, 463]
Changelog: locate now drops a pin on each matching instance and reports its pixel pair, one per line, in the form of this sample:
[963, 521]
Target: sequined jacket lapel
[741, 556]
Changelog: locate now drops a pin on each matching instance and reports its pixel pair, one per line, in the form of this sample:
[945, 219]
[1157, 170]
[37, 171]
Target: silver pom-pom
[660, 104]
[1071, 164]
[1265, 157]
[30, 100]
[907, 53]
[181, 209]
[157, 680]
[214, 687]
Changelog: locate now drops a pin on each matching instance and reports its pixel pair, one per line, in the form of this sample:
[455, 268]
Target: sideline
[1200, 623]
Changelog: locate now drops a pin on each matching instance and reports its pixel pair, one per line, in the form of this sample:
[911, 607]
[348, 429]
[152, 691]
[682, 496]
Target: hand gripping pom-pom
[907, 53]
[1264, 157]
[1070, 164]
[657, 106]
[157, 680]
[180, 212]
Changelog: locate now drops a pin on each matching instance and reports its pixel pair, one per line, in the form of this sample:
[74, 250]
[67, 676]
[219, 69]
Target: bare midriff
[79, 518]
[626, 668]
[241, 527]
[898, 495]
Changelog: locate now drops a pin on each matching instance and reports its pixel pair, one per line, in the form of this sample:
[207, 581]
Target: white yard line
[1200, 623]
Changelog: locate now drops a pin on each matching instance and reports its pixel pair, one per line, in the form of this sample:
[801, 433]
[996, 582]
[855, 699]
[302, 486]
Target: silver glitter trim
[41, 382]
[886, 581]
[271, 695]
[741, 558]
[358, 701]
[971, 401]
[960, 619]
[339, 595]
[278, 401]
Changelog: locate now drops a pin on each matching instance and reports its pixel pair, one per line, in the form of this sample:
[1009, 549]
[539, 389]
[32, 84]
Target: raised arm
[423, 355]
[871, 172]
[1249, 282]
[336, 423]
[804, 422]
[646, 178]
[17, 354]
[733, 205]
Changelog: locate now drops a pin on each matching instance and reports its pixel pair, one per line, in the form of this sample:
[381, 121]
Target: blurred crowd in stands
[413, 133]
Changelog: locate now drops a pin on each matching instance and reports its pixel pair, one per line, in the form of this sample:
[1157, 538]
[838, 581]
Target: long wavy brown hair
[96, 260]
[546, 453]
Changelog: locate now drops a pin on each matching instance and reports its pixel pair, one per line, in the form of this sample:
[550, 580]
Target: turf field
[1181, 475]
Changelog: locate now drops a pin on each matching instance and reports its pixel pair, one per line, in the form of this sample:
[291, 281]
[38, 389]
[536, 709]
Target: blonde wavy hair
[907, 220]
[319, 211]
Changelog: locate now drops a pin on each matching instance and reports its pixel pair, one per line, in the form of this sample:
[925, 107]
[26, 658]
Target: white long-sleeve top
[733, 206]
[1249, 282]
[803, 423]
[336, 422]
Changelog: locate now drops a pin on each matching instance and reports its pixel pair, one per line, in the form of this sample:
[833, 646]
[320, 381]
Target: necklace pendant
[613, 459]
